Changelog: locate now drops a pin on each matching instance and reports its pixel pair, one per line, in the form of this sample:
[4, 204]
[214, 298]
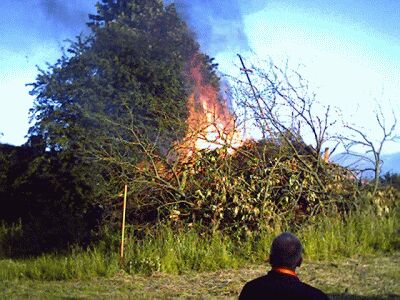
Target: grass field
[357, 257]
[371, 277]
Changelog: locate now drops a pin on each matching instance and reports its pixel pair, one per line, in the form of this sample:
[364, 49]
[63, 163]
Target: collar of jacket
[285, 271]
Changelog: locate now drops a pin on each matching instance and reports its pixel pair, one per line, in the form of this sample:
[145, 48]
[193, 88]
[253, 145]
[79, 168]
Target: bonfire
[210, 124]
[228, 183]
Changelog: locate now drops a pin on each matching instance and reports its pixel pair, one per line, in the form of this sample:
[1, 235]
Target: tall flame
[210, 123]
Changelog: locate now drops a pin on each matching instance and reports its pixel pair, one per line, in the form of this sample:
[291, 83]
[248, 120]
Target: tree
[391, 179]
[129, 73]
[14, 161]
[358, 137]
[281, 106]
[135, 57]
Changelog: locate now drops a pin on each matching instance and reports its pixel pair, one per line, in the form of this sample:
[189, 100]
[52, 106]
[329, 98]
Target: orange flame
[210, 124]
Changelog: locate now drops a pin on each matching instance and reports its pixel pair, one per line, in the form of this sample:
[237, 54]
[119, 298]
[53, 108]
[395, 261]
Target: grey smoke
[218, 24]
[64, 13]
[25, 23]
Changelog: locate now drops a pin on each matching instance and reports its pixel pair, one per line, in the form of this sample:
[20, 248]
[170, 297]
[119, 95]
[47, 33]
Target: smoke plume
[218, 25]
[26, 23]
[64, 13]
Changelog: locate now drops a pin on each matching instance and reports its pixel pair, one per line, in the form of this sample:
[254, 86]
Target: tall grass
[85, 264]
[186, 250]
[173, 252]
[9, 237]
[359, 233]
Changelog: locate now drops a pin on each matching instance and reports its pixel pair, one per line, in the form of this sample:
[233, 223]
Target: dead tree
[283, 106]
[358, 138]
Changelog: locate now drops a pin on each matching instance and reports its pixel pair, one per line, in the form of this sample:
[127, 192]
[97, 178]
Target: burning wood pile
[226, 183]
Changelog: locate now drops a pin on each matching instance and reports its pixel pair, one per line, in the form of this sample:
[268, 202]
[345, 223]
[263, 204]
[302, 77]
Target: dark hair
[286, 251]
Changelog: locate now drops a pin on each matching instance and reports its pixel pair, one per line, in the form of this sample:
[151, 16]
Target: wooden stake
[123, 223]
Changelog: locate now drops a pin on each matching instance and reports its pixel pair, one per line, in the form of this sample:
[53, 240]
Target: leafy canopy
[130, 70]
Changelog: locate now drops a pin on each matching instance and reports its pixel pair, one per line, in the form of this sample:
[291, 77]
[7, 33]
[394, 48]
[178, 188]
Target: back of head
[286, 251]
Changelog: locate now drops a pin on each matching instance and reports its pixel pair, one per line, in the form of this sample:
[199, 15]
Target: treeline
[48, 194]
[391, 179]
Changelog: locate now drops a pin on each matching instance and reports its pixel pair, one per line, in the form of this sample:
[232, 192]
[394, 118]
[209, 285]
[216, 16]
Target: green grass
[174, 253]
[356, 258]
[77, 265]
[371, 277]
[360, 233]
[167, 251]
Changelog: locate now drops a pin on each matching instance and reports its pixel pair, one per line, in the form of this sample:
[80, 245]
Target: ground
[376, 277]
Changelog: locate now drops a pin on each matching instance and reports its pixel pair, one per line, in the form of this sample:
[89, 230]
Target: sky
[349, 50]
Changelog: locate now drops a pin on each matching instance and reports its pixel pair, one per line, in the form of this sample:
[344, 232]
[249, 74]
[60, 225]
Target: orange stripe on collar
[285, 271]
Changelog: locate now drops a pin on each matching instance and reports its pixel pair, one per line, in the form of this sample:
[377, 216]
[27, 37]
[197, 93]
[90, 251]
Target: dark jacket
[280, 286]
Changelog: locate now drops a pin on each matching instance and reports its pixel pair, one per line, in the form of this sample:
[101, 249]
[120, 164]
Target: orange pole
[123, 222]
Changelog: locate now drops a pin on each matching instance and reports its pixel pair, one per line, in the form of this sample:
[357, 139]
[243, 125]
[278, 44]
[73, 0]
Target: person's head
[286, 251]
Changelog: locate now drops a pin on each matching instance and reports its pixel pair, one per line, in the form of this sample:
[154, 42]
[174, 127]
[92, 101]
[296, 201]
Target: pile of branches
[262, 184]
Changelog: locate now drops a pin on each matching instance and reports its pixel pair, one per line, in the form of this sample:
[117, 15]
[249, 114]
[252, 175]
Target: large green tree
[119, 92]
[131, 69]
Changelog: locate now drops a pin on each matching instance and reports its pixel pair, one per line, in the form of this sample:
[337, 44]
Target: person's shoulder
[256, 282]
[252, 288]
[281, 288]
[313, 293]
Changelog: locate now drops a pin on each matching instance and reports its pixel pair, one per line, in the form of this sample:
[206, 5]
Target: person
[281, 282]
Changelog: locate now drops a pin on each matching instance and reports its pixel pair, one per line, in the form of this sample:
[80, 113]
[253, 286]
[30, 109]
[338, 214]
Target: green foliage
[107, 113]
[131, 70]
[10, 234]
[58, 203]
[49, 196]
[14, 161]
[385, 200]
[169, 251]
[391, 179]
